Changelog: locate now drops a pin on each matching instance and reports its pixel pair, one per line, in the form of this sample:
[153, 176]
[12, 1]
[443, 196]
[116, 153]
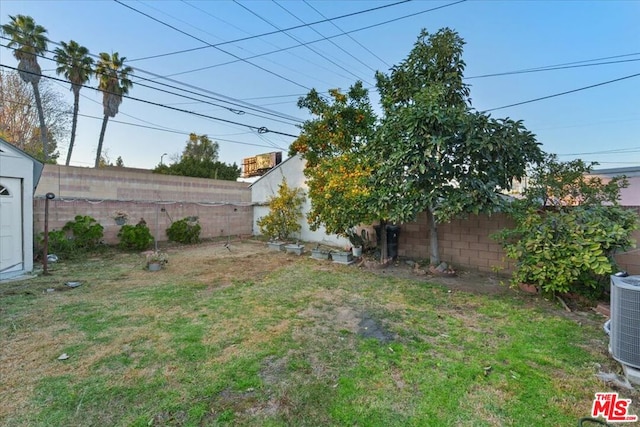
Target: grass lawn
[251, 337]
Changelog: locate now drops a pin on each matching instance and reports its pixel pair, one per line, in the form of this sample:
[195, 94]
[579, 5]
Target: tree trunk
[383, 242]
[43, 126]
[76, 104]
[105, 120]
[434, 258]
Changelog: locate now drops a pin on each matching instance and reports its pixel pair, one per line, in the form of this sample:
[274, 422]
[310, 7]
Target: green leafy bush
[76, 237]
[567, 229]
[186, 230]
[569, 250]
[86, 233]
[285, 211]
[60, 244]
[135, 237]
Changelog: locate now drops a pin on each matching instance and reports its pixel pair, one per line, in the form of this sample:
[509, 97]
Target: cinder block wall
[223, 207]
[463, 242]
[468, 243]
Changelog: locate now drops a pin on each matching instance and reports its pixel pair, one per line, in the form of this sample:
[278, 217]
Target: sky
[242, 92]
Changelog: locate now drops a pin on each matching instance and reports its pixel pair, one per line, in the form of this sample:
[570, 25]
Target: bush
[135, 237]
[186, 230]
[86, 233]
[60, 244]
[76, 237]
[567, 229]
[285, 212]
[569, 250]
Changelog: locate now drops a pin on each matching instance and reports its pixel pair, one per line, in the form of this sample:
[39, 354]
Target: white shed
[292, 169]
[19, 175]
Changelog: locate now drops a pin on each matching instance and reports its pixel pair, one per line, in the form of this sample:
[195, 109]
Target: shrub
[285, 211]
[60, 244]
[86, 233]
[186, 230]
[569, 250]
[76, 237]
[135, 237]
[568, 228]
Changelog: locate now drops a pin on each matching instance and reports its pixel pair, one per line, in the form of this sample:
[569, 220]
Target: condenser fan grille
[625, 320]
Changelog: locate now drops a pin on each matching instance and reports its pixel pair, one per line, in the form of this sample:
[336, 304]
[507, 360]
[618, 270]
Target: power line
[563, 93]
[259, 129]
[239, 103]
[550, 68]
[177, 131]
[327, 39]
[316, 64]
[152, 125]
[306, 43]
[528, 70]
[212, 45]
[590, 60]
[233, 101]
[346, 34]
[613, 151]
[296, 39]
[273, 32]
[239, 112]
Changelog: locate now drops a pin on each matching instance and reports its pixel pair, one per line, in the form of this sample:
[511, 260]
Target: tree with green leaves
[200, 159]
[29, 41]
[338, 168]
[568, 227]
[114, 83]
[436, 153]
[285, 212]
[76, 65]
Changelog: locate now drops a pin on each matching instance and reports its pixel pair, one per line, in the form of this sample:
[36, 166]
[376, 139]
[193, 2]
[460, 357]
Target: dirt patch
[372, 328]
[467, 281]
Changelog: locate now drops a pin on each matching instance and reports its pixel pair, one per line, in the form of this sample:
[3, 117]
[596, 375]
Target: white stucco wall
[293, 170]
[14, 164]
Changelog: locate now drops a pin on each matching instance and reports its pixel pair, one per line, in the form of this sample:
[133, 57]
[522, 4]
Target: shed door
[10, 225]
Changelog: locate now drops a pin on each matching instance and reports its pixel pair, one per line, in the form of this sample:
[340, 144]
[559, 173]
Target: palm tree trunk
[105, 120]
[43, 127]
[74, 123]
[433, 238]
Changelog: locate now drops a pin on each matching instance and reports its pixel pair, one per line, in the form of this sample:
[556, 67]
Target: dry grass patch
[253, 337]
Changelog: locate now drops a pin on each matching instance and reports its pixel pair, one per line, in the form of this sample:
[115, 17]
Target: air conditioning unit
[625, 320]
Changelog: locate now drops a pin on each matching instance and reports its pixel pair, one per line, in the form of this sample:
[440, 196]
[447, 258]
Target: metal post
[45, 250]
[156, 239]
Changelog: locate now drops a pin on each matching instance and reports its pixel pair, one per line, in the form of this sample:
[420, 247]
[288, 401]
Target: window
[4, 191]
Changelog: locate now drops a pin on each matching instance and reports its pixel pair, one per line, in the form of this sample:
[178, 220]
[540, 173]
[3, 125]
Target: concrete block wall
[223, 207]
[463, 243]
[113, 183]
[468, 243]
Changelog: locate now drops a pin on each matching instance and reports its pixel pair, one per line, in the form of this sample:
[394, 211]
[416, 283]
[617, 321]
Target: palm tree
[77, 66]
[114, 82]
[28, 41]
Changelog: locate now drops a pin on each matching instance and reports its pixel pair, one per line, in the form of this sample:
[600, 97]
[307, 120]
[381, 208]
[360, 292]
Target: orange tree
[335, 145]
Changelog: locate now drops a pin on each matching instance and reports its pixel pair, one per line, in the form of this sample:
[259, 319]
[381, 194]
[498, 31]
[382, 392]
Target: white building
[19, 175]
[292, 169]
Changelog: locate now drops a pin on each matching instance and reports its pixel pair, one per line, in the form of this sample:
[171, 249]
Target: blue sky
[598, 124]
